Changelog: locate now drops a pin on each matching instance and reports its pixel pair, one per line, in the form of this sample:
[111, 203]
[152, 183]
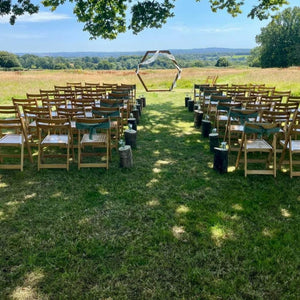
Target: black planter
[140, 102]
[139, 108]
[198, 116]
[136, 115]
[143, 99]
[186, 100]
[132, 121]
[191, 105]
[213, 141]
[130, 137]
[221, 160]
[206, 128]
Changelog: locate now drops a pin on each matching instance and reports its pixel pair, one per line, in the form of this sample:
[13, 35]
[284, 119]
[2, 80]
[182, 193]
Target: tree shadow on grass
[169, 228]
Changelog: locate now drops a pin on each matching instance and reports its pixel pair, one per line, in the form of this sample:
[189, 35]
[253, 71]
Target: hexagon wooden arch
[171, 57]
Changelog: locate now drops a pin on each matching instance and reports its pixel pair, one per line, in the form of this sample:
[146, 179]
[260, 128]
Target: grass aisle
[170, 228]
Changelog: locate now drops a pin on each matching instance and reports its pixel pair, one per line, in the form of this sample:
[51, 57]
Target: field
[169, 228]
[16, 84]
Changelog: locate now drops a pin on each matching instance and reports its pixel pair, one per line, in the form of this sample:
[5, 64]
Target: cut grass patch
[169, 228]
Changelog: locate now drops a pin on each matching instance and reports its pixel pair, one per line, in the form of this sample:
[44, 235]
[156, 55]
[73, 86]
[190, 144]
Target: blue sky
[194, 26]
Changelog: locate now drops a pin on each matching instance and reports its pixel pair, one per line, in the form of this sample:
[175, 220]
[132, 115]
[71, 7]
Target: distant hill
[224, 51]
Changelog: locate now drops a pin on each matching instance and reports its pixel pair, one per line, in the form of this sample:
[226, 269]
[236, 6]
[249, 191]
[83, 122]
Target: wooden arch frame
[174, 62]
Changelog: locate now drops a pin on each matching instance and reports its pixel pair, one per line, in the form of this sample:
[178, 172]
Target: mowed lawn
[169, 228]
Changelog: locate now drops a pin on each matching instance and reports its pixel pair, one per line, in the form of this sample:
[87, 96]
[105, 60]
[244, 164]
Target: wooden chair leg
[291, 164]
[246, 161]
[239, 153]
[22, 155]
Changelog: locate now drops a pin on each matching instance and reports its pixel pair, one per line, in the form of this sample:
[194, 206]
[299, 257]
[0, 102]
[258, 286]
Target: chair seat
[55, 139]
[295, 145]
[258, 145]
[236, 128]
[32, 124]
[89, 114]
[11, 139]
[114, 124]
[222, 118]
[96, 138]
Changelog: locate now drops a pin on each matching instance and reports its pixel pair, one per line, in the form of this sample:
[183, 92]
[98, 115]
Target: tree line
[126, 62]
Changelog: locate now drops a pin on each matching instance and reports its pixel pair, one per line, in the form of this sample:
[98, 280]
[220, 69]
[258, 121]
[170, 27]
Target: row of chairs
[78, 90]
[217, 105]
[245, 123]
[270, 137]
[203, 91]
[38, 126]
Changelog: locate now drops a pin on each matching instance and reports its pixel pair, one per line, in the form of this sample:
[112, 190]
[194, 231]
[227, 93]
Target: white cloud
[21, 36]
[37, 18]
[186, 29]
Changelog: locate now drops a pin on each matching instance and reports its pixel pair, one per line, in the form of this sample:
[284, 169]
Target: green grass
[169, 228]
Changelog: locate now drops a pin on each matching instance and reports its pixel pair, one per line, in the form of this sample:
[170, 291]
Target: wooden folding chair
[284, 94]
[13, 136]
[53, 104]
[291, 144]
[268, 89]
[48, 94]
[94, 135]
[272, 100]
[213, 103]
[255, 141]
[30, 116]
[74, 84]
[235, 124]
[116, 122]
[53, 134]
[19, 103]
[223, 109]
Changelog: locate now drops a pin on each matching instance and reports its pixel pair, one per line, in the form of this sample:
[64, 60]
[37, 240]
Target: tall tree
[107, 18]
[8, 60]
[222, 62]
[280, 40]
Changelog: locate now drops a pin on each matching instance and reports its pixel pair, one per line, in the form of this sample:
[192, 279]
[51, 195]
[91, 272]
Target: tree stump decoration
[206, 128]
[221, 160]
[143, 101]
[130, 137]
[186, 100]
[136, 115]
[126, 160]
[213, 141]
[191, 105]
[198, 116]
[139, 108]
[140, 102]
[132, 121]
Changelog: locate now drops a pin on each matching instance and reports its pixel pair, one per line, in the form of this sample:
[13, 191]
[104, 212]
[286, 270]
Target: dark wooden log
[213, 141]
[198, 116]
[136, 115]
[132, 121]
[206, 128]
[139, 108]
[140, 102]
[197, 106]
[186, 100]
[144, 101]
[126, 160]
[130, 137]
[191, 105]
[221, 160]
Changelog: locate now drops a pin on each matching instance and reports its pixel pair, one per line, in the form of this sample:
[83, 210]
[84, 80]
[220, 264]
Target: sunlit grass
[169, 228]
